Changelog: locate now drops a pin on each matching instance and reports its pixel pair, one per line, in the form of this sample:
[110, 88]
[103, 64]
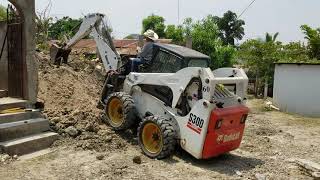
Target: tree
[132, 36]
[259, 57]
[313, 37]
[230, 27]
[205, 39]
[64, 26]
[270, 38]
[155, 23]
[175, 33]
[187, 26]
[294, 52]
[3, 13]
[43, 21]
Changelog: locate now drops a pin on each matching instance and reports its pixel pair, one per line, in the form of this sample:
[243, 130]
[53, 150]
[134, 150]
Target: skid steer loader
[175, 99]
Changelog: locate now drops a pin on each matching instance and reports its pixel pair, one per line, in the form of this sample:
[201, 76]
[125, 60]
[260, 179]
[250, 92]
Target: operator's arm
[147, 52]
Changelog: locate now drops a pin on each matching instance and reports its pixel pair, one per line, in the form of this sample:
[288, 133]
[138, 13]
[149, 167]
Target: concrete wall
[27, 10]
[297, 89]
[4, 58]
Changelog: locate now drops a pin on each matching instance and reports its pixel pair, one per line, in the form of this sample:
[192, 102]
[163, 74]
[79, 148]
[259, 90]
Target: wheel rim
[151, 138]
[115, 112]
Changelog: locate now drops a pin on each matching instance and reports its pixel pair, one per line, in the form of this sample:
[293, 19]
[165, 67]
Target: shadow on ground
[225, 164]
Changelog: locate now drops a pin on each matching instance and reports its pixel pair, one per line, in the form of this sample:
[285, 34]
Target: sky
[125, 16]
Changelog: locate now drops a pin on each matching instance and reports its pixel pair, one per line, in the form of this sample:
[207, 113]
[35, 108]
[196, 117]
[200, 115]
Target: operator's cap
[151, 35]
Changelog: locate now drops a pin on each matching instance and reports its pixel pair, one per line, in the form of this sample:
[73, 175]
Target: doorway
[16, 60]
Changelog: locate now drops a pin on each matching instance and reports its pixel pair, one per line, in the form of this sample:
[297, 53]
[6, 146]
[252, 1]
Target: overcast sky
[125, 16]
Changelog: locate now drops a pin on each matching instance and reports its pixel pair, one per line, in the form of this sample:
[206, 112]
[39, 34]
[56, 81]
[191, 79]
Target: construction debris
[72, 131]
[310, 167]
[6, 159]
[269, 106]
[100, 157]
[260, 176]
[137, 160]
[70, 93]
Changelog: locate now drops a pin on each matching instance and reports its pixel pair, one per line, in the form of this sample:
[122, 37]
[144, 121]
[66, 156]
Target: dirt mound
[70, 94]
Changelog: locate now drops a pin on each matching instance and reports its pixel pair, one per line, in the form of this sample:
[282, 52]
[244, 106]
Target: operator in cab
[145, 56]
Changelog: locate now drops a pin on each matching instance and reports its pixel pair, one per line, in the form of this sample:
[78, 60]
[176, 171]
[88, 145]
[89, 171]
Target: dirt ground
[271, 142]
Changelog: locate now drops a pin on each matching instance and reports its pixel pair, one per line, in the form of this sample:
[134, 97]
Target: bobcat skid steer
[174, 100]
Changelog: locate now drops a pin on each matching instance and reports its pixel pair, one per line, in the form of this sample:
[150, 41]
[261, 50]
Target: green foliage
[129, 37]
[294, 52]
[313, 37]
[155, 23]
[132, 36]
[42, 27]
[230, 27]
[270, 38]
[65, 26]
[3, 13]
[187, 26]
[260, 57]
[205, 35]
[175, 33]
[224, 57]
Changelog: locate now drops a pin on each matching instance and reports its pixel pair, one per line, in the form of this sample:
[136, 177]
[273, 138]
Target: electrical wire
[245, 10]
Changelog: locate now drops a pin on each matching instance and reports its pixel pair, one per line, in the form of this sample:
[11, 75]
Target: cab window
[198, 63]
[165, 62]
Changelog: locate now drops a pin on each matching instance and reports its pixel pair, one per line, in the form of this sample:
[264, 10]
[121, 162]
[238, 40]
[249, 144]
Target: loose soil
[271, 142]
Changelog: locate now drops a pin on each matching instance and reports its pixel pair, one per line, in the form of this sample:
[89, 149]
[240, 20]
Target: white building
[297, 88]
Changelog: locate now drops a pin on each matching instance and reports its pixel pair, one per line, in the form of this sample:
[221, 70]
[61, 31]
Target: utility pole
[178, 12]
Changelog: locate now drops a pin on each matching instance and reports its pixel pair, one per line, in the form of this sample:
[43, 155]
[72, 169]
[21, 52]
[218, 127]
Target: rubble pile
[6, 159]
[70, 94]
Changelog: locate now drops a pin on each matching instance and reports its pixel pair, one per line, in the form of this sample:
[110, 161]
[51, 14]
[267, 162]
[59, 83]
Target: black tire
[168, 134]
[126, 110]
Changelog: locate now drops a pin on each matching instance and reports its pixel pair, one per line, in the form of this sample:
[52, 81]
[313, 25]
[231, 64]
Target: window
[166, 62]
[198, 63]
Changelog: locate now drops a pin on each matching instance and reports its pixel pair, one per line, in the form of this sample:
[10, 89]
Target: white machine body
[189, 140]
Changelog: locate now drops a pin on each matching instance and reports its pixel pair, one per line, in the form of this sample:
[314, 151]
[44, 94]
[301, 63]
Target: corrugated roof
[299, 63]
[123, 46]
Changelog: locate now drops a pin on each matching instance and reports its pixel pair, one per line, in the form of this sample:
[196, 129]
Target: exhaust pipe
[58, 54]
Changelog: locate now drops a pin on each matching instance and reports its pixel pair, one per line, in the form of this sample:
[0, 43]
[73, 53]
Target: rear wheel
[157, 137]
[120, 110]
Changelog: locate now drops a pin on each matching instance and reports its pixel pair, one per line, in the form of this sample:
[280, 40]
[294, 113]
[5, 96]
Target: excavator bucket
[58, 54]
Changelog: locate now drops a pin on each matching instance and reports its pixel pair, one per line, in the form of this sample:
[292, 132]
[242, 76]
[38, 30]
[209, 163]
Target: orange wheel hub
[115, 112]
[152, 138]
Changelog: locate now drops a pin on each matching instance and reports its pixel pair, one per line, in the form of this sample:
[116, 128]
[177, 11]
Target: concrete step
[3, 93]
[19, 129]
[28, 144]
[14, 117]
[8, 103]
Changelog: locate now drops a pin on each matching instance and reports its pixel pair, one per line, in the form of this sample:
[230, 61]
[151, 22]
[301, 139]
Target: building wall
[4, 58]
[297, 89]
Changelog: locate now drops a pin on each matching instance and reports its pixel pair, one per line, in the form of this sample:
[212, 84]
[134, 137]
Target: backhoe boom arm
[94, 26]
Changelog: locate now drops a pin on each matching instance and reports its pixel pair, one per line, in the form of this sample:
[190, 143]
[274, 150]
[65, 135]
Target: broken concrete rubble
[72, 131]
[310, 167]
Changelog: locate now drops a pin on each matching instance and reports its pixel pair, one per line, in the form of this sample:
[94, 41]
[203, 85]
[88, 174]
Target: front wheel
[120, 111]
[157, 137]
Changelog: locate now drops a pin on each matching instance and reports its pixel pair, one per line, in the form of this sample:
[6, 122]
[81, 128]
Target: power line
[245, 10]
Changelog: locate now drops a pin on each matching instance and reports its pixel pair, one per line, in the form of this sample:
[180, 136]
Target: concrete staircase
[3, 93]
[8, 103]
[24, 132]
